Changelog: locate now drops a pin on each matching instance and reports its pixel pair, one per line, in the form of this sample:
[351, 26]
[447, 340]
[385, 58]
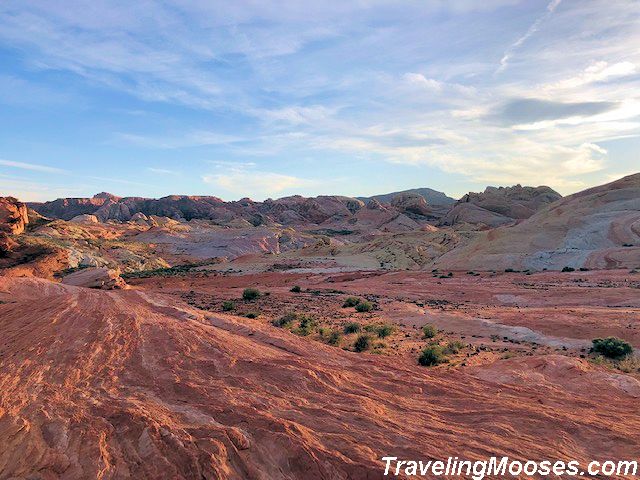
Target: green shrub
[362, 343]
[251, 294]
[307, 325]
[432, 355]
[351, 327]
[334, 337]
[568, 269]
[429, 331]
[364, 306]
[384, 331]
[296, 289]
[612, 347]
[285, 321]
[351, 302]
[252, 315]
[228, 305]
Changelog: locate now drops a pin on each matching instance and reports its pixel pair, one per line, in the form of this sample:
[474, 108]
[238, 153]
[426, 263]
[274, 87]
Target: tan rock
[103, 278]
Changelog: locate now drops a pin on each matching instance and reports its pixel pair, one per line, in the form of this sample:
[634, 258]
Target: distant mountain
[433, 197]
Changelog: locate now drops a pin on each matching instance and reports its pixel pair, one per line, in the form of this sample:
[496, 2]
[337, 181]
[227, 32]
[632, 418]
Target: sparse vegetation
[306, 326]
[612, 347]
[285, 321]
[252, 315]
[228, 305]
[432, 355]
[250, 294]
[384, 330]
[362, 343]
[453, 347]
[352, 327]
[364, 306]
[296, 289]
[429, 331]
[568, 269]
[351, 302]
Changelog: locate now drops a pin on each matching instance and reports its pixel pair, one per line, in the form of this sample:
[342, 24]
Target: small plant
[629, 365]
[228, 305]
[285, 321]
[307, 325]
[252, 315]
[250, 294]
[364, 306]
[362, 343]
[296, 289]
[429, 331]
[351, 302]
[334, 337]
[568, 269]
[431, 356]
[351, 327]
[453, 347]
[612, 347]
[384, 331]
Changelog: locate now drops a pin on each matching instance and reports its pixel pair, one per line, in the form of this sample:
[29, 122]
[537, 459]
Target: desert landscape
[319, 240]
[188, 337]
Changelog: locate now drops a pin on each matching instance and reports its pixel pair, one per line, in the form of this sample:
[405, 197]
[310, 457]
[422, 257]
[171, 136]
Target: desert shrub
[364, 306]
[385, 330]
[351, 302]
[362, 343]
[307, 325]
[351, 327]
[228, 305]
[429, 331]
[332, 337]
[285, 321]
[296, 289]
[568, 269]
[453, 347]
[432, 355]
[629, 365]
[252, 315]
[611, 347]
[250, 294]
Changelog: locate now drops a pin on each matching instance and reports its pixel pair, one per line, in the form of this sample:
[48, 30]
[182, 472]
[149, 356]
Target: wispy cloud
[31, 166]
[535, 26]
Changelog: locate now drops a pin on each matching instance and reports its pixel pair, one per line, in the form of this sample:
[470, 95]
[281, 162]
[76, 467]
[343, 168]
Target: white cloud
[256, 184]
[31, 166]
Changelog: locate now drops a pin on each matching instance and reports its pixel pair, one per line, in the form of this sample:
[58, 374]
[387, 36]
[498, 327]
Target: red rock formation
[125, 384]
[13, 216]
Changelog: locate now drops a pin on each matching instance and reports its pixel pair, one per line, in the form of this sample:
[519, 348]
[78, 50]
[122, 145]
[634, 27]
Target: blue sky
[267, 99]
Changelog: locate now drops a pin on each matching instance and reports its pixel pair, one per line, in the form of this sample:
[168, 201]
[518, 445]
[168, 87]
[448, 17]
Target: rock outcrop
[102, 278]
[596, 228]
[13, 216]
[498, 206]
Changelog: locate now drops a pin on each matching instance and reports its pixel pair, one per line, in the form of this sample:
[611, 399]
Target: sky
[259, 99]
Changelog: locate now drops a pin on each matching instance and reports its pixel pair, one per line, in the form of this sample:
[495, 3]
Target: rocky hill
[595, 228]
[499, 205]
[432, 197]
